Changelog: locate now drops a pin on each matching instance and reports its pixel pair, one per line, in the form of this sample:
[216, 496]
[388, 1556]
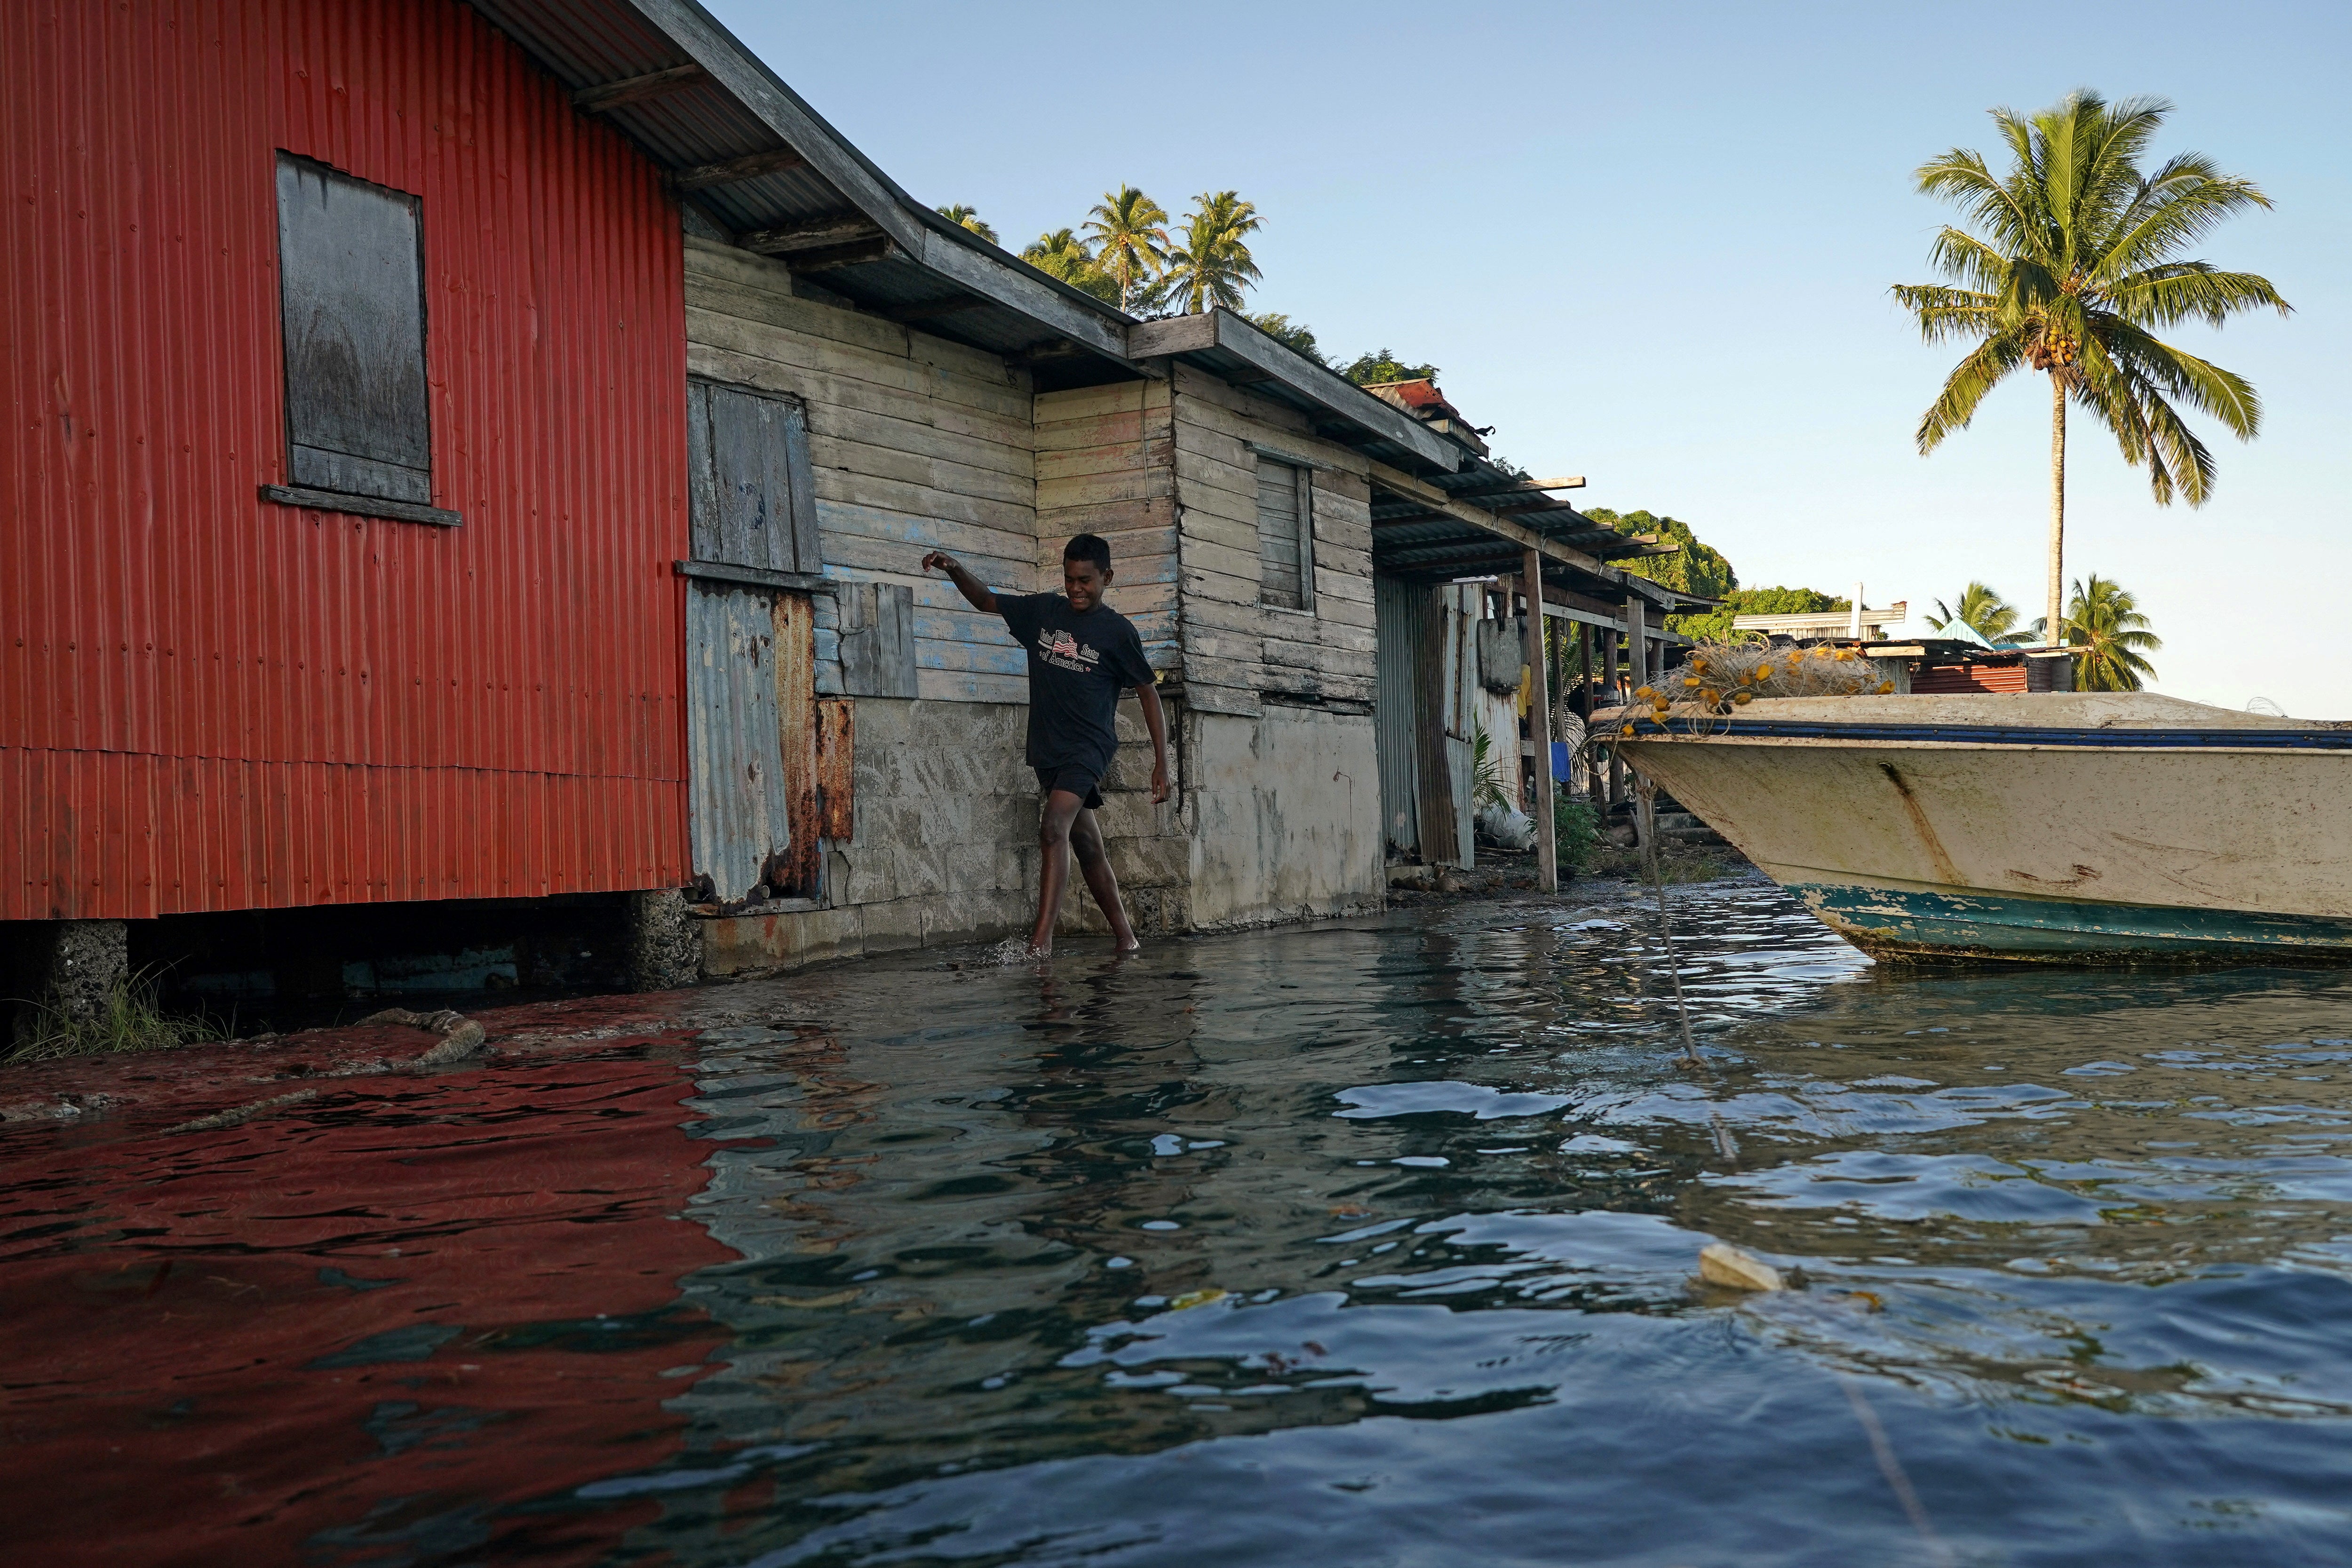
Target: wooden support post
[1609, 698]
[1539, 728]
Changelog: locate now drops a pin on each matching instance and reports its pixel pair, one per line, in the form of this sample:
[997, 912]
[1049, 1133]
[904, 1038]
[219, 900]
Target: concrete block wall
[1286, 816]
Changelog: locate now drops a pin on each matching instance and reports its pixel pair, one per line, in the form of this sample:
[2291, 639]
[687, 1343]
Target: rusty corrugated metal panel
[209, 701]
[740, 818]
[836, 769]
[796, 733]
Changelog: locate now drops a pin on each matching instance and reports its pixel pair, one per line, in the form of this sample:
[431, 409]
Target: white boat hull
[2064, 826]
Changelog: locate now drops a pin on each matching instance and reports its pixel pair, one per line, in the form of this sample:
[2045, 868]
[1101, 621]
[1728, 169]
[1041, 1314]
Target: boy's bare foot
[1133, 944]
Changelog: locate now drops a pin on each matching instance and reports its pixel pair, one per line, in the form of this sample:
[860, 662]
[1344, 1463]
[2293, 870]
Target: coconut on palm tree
[967, 217]
[1130, 233]
[2069, 265]
[1981, 609]
[2105, 624]
[1210, 264]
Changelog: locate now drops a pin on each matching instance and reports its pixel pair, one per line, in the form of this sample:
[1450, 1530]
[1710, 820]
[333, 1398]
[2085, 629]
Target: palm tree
[1063, 255]
[2105, 621]
[1129, 231]
[1981, 609]
[2073, 261]
[969, 218]
[1210, 265]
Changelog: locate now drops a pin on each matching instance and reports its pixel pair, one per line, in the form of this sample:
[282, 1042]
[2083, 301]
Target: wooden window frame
[321, 497]
[1303, 502]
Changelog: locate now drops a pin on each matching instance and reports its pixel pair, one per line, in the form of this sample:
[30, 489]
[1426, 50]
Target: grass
[1675, 866]
[132, 1019]
[1576, 830]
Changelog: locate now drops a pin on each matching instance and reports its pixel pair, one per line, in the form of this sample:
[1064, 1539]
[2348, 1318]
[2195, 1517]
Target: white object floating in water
[1720, 1263]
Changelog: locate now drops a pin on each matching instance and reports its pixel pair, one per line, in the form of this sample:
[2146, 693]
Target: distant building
[1875, 625]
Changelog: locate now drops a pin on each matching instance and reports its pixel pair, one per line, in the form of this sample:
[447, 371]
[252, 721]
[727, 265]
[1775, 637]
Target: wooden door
[751, 723]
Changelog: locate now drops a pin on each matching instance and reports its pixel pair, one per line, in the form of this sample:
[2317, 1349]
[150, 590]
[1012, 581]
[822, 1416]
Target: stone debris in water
[1722, 1264]
[243, 1113]
[460, 1036]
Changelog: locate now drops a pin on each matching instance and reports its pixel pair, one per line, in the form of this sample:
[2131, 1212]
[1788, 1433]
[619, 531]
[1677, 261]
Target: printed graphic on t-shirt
[1063, 651]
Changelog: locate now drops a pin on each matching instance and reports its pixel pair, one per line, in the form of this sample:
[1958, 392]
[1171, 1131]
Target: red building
[345, 363]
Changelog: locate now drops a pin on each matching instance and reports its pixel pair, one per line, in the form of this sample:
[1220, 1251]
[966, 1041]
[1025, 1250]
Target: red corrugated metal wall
[1964, 678]
[208, 702]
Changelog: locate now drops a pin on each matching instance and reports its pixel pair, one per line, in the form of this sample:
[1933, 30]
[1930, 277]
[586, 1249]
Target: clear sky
[1652, 245]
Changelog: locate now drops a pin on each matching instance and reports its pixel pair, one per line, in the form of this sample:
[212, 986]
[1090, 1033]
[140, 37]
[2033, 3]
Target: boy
[1081, 651]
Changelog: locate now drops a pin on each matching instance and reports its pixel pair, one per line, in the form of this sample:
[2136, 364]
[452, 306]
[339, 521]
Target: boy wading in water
[1081, 651]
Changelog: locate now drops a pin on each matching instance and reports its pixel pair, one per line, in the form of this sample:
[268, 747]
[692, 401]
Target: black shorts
[1073, 778]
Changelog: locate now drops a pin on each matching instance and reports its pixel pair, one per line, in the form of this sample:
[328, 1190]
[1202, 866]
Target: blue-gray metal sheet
[734, 741]
[1400, 610]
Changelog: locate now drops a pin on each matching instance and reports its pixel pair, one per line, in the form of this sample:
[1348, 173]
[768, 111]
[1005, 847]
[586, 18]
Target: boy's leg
[1094, 864]
[1054, 869]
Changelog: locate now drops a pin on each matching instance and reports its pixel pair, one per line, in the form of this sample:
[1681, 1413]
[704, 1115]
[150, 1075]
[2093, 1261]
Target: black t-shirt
[1078, 665]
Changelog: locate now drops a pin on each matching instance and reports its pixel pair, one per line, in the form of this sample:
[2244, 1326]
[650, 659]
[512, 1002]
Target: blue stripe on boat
[2001, 734]
[1996, 925]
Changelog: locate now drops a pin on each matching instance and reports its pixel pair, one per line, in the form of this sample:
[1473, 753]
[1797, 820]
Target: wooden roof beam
[832, 257]
[638, 88]
[749, 166]
[930, 310]
[814, 234]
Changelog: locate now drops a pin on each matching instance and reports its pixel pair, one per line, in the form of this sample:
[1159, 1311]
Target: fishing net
[1715, 680]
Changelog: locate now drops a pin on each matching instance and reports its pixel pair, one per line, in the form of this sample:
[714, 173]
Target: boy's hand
[940, 561]
[1158, 782]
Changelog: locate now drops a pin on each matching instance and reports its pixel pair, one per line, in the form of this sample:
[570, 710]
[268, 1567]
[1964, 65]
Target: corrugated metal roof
[736, 107]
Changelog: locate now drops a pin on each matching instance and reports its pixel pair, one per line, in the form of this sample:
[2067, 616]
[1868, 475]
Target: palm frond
[2179, 205]
[1966, 387]
[1961, 256]
[1960, 177]
[1945, 313]
[2203, 385]
[2178, 291]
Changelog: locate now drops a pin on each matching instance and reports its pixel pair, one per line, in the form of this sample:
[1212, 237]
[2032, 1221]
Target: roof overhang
[1482, 519]
[754, 162]
[1233, 349]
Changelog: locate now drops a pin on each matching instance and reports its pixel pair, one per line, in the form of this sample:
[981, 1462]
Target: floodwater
[1372, 1245]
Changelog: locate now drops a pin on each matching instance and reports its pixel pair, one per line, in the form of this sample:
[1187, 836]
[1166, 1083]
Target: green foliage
[1208, 264]
[1486, 772]
[2105, 621]
[1288, 334]
[1063, 255]
[1716, 625]
[2071, 261]
[1381, 366]
[1575, 828]
[1984, 611]
[132, 1019]
[968, 218]
[1127, 232]
[1697, 569]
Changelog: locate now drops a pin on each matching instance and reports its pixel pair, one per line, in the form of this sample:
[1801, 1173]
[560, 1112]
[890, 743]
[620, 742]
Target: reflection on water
[1361, 1246]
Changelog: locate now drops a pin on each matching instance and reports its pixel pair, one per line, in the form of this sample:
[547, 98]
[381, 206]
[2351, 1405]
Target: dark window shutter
[351, 286]
[1284, 557]
[753, 502]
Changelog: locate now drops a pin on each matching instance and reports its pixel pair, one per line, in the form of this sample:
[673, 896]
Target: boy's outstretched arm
[1157, 722]
[975, 592]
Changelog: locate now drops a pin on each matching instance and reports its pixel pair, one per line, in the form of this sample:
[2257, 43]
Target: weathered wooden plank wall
[1236, 650]
[1103, 467]
[915, 444]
